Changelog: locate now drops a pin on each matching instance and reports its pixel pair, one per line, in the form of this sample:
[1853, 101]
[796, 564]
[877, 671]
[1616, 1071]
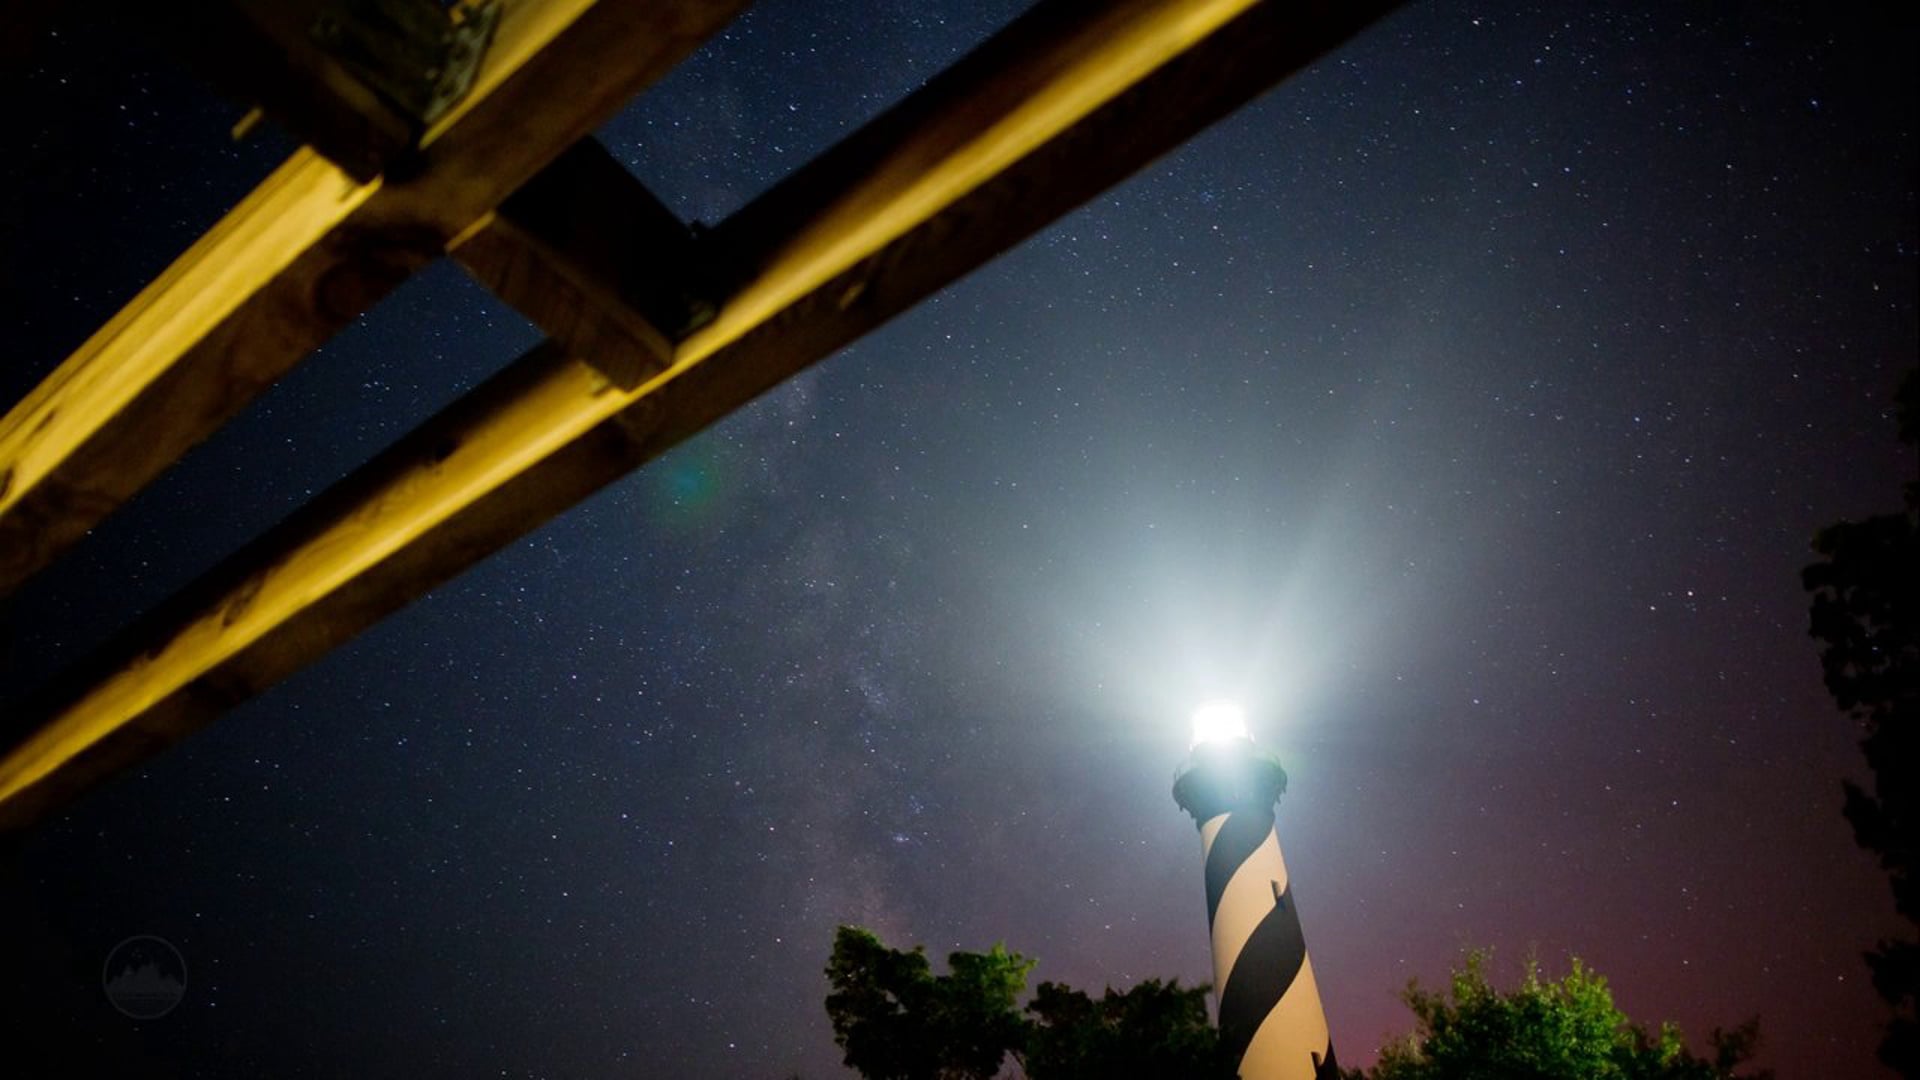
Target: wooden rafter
[1056, 108]
[305, 254]
[261, 54]
[597, 262]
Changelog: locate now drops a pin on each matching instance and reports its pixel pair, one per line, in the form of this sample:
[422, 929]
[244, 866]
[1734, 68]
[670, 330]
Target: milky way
[1465, 405]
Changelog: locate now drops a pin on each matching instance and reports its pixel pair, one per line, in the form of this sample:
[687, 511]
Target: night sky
[1465, 406]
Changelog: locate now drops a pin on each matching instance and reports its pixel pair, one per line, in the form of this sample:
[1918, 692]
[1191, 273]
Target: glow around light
[1219, 721]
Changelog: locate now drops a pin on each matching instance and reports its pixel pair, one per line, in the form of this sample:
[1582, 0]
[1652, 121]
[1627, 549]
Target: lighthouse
[1271, 1019]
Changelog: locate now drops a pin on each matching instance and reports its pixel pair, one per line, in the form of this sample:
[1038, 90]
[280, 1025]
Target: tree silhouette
[1156, 1029]
[1866, 615]
[897, 1020]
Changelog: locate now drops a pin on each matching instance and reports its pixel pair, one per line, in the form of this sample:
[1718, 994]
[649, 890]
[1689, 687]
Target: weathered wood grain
[597, 262]
[304, 254]
[1067, 101]
[259, 53]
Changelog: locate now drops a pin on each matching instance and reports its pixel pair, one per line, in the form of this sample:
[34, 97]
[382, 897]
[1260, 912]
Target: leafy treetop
[1565, 1029]
[897, 1020]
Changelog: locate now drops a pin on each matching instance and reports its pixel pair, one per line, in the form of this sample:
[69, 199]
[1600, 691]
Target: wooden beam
[1059, 106]
[260, 53]
[596, 261]
[303, 255]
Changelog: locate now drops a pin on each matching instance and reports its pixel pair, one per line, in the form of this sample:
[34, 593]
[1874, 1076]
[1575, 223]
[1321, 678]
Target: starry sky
[1465, 406]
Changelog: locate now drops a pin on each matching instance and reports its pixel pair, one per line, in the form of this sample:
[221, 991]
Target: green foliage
[1156, 1029]
[1866, 615]
[896, 1020]
[1565, 1029]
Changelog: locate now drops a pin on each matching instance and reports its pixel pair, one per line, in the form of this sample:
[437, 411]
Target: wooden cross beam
[303, 255]
[1065, 102]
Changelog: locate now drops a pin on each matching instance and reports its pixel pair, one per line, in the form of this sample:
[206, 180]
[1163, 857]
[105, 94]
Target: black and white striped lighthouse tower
[1270, 1012]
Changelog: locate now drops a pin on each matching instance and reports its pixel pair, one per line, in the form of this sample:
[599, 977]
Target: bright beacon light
[1219, 721]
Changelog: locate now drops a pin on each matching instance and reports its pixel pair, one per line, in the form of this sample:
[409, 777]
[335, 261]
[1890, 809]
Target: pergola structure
[464, 131]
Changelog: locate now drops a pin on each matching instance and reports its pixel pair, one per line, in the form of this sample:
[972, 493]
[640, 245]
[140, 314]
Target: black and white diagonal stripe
[1260, 954]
